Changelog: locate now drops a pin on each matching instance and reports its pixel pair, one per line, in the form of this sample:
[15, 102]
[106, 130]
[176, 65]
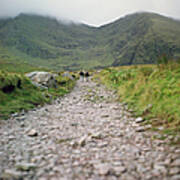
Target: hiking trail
[86, 134]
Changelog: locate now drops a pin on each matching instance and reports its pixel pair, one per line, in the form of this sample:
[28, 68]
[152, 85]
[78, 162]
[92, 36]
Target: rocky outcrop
[43, 79]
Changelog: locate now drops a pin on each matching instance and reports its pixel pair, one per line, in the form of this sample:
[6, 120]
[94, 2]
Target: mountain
[142, 37]
[46, 42]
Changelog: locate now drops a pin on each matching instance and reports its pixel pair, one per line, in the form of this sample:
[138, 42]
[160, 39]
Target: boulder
[67, 74]
[43, 79]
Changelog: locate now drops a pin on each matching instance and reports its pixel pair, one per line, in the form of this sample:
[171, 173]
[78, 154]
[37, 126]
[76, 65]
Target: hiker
[81, 76]
[86, 75]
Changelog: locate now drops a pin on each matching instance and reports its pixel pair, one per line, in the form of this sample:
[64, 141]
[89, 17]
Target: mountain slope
[141, 38]
[135, 39]
[44, 41]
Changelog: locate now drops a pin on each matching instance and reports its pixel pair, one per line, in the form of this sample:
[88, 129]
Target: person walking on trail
[86, 75]
[81, 76]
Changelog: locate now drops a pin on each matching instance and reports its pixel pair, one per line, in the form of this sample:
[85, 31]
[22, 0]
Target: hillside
[141, 38]
[45, 42]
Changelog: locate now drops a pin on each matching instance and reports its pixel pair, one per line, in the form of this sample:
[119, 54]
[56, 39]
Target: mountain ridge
[134, 39]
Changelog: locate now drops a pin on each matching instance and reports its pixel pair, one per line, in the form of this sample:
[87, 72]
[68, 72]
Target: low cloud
[94, 12]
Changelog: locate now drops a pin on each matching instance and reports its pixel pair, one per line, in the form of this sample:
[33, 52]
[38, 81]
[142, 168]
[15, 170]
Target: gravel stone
[174, 171]
[139, 120]
[32, 133]
[176, 162]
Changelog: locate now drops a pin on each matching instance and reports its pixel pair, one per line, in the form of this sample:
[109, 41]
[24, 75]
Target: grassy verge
[17, 93]
[152, 91]
[18, 66]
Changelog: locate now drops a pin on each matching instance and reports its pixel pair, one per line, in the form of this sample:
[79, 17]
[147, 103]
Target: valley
[48, 43]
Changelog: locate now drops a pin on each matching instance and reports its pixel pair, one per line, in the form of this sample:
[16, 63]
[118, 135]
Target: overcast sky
[92, 12]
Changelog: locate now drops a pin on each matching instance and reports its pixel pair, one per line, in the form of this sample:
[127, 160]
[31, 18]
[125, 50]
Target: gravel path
[85, 135]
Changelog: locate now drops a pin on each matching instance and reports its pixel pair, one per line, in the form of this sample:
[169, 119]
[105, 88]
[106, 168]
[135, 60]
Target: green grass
[11, 66]
[45, 42]
[25, 95]
[152, 91]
